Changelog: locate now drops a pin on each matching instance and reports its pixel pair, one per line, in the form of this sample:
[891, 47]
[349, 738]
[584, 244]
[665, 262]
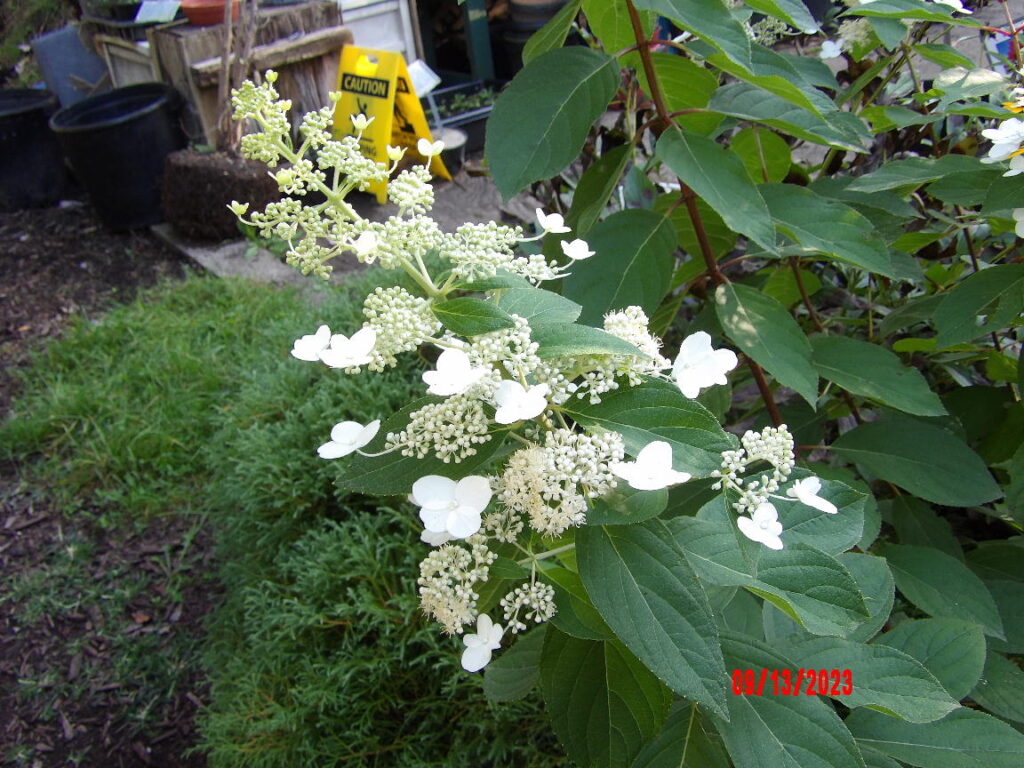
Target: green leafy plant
[680, 593]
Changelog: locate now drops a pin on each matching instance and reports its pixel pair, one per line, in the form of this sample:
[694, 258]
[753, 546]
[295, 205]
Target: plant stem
[766, 392]
[794, 264]
[545, 555]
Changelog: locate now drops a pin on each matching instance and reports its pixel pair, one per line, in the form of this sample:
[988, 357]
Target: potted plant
[465, 106]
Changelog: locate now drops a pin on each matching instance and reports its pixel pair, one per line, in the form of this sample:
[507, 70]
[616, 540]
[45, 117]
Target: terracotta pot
[205, 13]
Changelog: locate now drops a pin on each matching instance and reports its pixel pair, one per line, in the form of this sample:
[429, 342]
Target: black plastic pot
[116, 144]
[31, 169]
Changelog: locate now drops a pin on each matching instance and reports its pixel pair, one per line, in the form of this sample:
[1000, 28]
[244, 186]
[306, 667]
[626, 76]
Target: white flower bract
[480, 645]
[429, 148]
[552, 223]
[830, 49]
[806, 492]
[652, 470]
[309, 347]
[698, 365]
[348, 437]
[516, 403]
[577, 250]
[345, 352]
[454, 374]
[762, 526]
[1018, 220]
[447, 506]
[1006, 140]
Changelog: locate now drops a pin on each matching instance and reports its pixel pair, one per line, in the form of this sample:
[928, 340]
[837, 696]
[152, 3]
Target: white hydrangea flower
[348, 437]
[309, 347]
[577, 250]
[361, 122]
[429, 148]
[652, 469]
[806, 492]
[452, 507]
[345, 352]
[698, 365]
[830, 49]
[773, 445]
[517, 403]
[365, 246]
[395, 154]
[762, 526]
[454, 375]
[1006, 140]
[447, 579]
[435, 539]
[551, 223]
[1018, 218]
[479, 646]
[1016, 166]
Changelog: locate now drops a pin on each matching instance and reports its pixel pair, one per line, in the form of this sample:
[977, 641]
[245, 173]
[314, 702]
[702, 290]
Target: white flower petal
[435, 520]
[551, 223]
[475, 658]
[435, 539]
[463, 522]
[577, 250]
[806, 492]
[698, 365]
[434, 492]
[346, 432]
[473, 491]
[367, 433]
[308, 347]
[333, 450]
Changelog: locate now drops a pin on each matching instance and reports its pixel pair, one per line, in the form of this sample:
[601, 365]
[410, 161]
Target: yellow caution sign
[377, 84]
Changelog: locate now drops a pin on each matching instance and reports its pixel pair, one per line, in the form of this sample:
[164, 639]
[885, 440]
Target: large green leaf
[631, 266]
[603, 703]
[830, 533]
[539, 306]
[997, 560]
[721, 239]
[941, 585]
[913, 172]
[711, 20]
[639, 580]
[783, 76]
[1001, 688]
[922, 458]
[576, 615]
[685, 85]
[539, 123]
[951, 649]
[875, 581]
[721, 180]
[770, 731]
[828, 226]
[919, 10]
[514, 672]
[917, 524]
[871, 371]
[611, 24]
[765, 154]
[793, 12]
[552, 35]
[965, 738]
[686, 740]
[470, 317]
[569, 340]
[595, 188]
[750, 102]
[765, 331]
[1009, 597]
[626, 505]
[393, 473]
[997, 292]
[884, 678]
[657, 410]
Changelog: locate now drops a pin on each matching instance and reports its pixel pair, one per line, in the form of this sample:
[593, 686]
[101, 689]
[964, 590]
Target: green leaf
[871, 371]
[770, 731]
[595, 188]
[784, 77]
[604, 705]
[576, 615]
[782, 286]
[765, 331]
[997, 560]
[721, 239]
[967, 84]
[539, 123]
[908, 315]
[750, 102]
[1001, 688]
[884, 678]
[684, 85]
[917, 524]
[792, 12]
[829, 226]
[611, 25]
[500, 282]
[918, 10]
[393, 473]
[1009, 597]
[889, 31]
[626, 506]
[967, 188]
[710, 20]
[640, 581]
[876, 583]
[539, 306]
[657, 410]
[719, 177]
[945, 56]
[512, 674]
[913, 172]
[924, 459]
[467, 316]
[941, 585]
[552, 35]
[829, 533]
[965, 738]
[951, 649]
[997, 292]
[571, 340]
[765, 154]
[885, 119]
[631, 266]
[686, 741]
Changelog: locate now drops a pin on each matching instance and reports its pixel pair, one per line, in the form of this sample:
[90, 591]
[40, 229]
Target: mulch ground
[64, 697]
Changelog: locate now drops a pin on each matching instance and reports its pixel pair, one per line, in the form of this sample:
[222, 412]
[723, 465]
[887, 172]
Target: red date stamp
[792, 682]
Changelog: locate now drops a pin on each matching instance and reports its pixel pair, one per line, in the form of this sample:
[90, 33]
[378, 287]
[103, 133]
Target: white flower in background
[344, 352]
[516, 403]
[552, 223]
[698, 365]
[830, 50]
[361, 122]
[479, 646]
[806, 492]
[454, 375]
[577, 250]
[309, 347]
[348, 437]
[451, 507]
[395, 154]
[762, 526]
[956, 5]
[365, 245]
[1018, 218]
[1016, 166]
[1006, 139]
[429, 148]
[435, 539]
[652, 469]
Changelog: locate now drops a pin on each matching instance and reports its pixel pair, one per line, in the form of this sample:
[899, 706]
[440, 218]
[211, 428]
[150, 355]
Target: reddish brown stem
[766, 392]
